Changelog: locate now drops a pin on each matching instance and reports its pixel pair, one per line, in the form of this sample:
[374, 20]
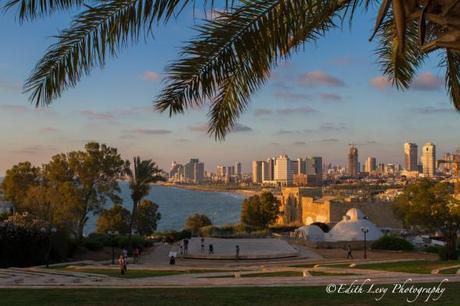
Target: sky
[327, 96]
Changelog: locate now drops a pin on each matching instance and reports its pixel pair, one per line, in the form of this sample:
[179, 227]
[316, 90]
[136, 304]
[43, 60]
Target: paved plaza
[264, 248]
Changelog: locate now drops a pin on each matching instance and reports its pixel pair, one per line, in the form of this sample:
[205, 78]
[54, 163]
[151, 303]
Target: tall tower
[410, 157]
[353, 165]
[371, 164]
[257, 171]
[429, 159]
[283, 170]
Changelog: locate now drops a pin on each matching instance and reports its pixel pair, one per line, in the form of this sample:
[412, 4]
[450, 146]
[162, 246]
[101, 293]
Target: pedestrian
[202, 248]
[211, 249]
[136, 255]
[172, 260]
[237, 255]
[125, 253]
[349, 252]
[185, 246]
[122, 263]
[181, 250]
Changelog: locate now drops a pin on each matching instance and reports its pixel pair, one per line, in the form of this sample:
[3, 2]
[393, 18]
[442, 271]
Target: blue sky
[327, 96]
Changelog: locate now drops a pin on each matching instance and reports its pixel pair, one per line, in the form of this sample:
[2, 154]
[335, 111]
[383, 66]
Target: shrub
[172, 236]
[432, 249]
[443, 254]
[392, 242]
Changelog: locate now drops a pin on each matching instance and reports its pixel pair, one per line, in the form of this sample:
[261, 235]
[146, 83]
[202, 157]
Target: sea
[176, 204]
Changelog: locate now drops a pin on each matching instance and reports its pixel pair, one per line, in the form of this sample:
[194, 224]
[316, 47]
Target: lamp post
[48, 232]
[365, 230]
[112, 242]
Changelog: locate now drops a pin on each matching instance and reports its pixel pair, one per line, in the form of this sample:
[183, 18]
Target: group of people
[123, 259]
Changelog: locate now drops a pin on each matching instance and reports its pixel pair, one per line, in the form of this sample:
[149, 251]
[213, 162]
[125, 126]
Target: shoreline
[243, 192]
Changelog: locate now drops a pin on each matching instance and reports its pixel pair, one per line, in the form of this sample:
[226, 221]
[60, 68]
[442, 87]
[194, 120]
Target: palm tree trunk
[131, 224]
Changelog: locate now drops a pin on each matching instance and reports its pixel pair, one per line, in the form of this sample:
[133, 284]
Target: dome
[355, 214]
[349, 229]
[310, 232]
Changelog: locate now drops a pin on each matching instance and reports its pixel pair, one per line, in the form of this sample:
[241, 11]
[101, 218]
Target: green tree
[197, 221]
[260, 211]
[431, 206]
[114, 219]
[234, 53]
[17, 182]
[147, 217]
[144, 173]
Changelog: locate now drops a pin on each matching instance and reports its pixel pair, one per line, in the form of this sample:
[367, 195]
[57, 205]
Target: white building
[429, 159]
[283, 170]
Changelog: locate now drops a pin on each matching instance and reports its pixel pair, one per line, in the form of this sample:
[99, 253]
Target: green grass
[415, 266]
[138, 273]
[324, 273]
[449, 271]
[262, 274]
[267, 296]
[303, 266]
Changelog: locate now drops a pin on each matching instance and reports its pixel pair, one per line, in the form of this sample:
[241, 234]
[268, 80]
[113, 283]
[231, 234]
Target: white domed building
[350, 228]
[310, 232]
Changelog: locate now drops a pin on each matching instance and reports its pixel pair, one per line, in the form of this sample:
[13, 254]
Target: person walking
[349, 252]
[125, 253]
[185, 246]
[136, 256]
[237, 252]
[122, 264]
[211, 249]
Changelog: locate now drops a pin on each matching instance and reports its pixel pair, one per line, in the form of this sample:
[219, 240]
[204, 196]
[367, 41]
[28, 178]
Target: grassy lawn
[138, 273]
[324, 273]
[263, 274]
[302, 266]
[267, 296]
[450, 271]
[416, 266]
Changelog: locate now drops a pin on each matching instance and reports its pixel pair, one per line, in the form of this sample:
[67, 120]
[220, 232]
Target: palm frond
[399, 65]
[233, 55]
[452, 79]
[32, 9]
[95, 33]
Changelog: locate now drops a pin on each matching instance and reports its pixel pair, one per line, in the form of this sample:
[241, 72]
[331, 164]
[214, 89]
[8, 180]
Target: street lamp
[48, 232]
[112, 242]
[365, 230]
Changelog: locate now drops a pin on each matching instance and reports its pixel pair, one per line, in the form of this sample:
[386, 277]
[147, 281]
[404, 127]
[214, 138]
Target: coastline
[208, 188]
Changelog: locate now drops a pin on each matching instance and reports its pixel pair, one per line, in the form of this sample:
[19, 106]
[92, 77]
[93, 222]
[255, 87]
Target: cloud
[427, 110]
[330, 97]
[151, 76]
[14, 108]
[288, 95]
[326, 140]
[262, 112]
[296, 110]
[380, 82]
[34, 149]
[93, 115]
[320, 78]
[427, 82]
[332, 127]
[286, 132]
[238, 128]
[204, 127]
[143, 131]
[299, 143]
[49, 130]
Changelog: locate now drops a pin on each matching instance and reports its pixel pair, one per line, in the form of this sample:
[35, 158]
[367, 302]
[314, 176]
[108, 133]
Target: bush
[392, 242]
[432, 249]
[94, 242]
[172, 236]
[232, 231]
[443, 254]
[282, 228]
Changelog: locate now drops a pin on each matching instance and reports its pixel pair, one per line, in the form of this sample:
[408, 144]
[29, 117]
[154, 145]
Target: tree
[197, 221]
[147, 217]
[260, 211]
[114, 219]
[430, 205]
[225, 63]
[17, 182]
[86, 179]
[144, 173]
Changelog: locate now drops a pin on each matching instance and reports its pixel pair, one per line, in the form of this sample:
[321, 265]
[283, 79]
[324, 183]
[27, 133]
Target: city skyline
[325, 98]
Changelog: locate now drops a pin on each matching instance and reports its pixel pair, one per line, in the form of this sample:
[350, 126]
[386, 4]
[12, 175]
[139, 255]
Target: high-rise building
[317, 162]
[257, 171]
[194, 170]
[238, 169]
[221, 171]
[283, 171]
[371, 165]
[429, 159]
[410, 157]
[353, 164]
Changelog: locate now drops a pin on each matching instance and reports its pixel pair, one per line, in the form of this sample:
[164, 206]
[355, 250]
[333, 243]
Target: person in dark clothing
[237, 250]
[172, 260]
[211, 249]
[349, 252]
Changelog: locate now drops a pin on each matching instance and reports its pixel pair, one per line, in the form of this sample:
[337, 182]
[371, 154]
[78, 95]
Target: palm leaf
[399, 65]
[31, 9]
[233, 55]
[95, 33]
[452, 79]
